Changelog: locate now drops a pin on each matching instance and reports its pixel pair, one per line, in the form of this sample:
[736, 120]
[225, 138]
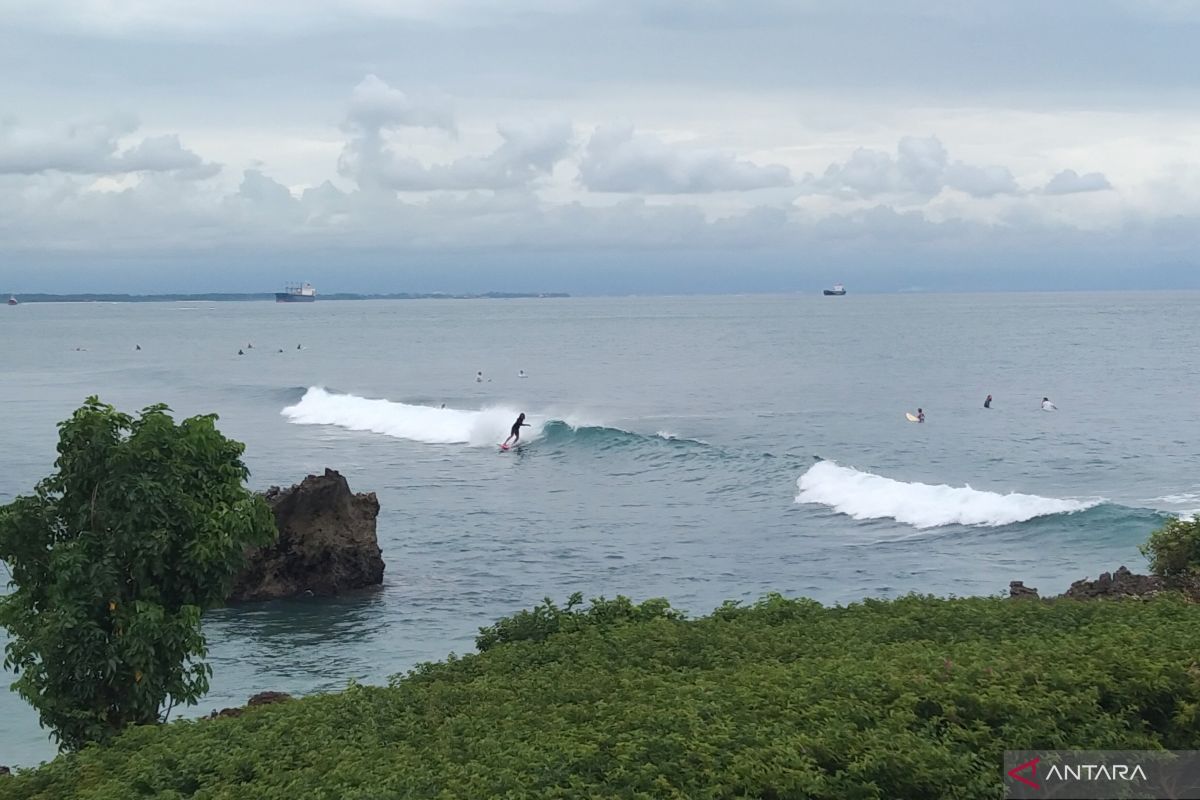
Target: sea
[701, 449]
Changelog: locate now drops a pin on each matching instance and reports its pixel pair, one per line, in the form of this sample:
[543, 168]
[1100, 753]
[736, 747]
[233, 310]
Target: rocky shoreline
[1120, 585]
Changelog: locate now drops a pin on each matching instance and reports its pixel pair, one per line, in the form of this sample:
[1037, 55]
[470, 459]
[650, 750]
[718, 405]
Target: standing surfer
[920, 415]
[515, 436]
[988, 403]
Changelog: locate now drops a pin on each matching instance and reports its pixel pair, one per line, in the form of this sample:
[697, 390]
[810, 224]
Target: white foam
[428, 424]
[863, 495]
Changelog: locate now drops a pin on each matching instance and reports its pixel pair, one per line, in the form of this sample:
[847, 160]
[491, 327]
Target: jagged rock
[5, 771]
[267, 698]
[260, 699]
[1121, 583]
[1018, 590]
[326, 544]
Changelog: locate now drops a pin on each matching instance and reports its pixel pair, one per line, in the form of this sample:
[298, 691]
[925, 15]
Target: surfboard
[910, 417]
[504, 447]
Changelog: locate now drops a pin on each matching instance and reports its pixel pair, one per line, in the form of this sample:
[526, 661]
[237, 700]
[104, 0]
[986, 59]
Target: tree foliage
[113, 558]
[911, 698]
[1174, 549]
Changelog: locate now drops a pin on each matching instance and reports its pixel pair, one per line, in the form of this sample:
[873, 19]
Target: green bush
[541, 621]
[912, 698]
[1174, 549]
[113, 558]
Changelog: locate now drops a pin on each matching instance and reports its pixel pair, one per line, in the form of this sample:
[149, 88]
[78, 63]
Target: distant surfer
[521, 374]
[920, 415]
[515, 435]
[479, 377]
[1047, 405]
[988, 403]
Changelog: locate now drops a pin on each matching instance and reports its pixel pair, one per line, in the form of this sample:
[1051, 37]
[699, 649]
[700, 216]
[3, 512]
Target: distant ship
[837, 291]
[299, 293]
[12, 300]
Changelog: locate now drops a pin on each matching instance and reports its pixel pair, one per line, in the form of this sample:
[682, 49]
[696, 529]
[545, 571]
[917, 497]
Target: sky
[599, 146]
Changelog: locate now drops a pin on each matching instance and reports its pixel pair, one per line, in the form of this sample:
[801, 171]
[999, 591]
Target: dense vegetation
[1174, 549]
[113, 558]
[911, 698]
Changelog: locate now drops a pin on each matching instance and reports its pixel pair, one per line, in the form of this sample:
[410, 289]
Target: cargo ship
[298, 293]
[837, 291]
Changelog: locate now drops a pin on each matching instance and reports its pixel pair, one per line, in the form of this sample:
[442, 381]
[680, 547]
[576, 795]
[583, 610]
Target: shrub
[1174, 549]
[113, 558]
[916, 697]
[546, 619]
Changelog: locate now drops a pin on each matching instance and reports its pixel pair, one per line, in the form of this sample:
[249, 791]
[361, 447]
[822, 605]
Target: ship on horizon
[296, 293]
[12, 299]
[837, 291]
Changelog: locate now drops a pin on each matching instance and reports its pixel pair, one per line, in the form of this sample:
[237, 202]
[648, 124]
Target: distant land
[228, 297]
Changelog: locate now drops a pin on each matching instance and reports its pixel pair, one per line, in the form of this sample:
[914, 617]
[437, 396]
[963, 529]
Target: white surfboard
[911, 417]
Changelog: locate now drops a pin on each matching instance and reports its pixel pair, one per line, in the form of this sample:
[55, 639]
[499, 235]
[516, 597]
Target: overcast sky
[599, 145]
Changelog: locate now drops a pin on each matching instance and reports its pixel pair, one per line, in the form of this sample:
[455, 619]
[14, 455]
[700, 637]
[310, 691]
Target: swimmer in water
[1047, 405]
[515, 435]
[479, 377]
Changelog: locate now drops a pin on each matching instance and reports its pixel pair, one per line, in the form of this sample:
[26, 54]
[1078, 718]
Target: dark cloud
[619, 160]
[1071, 182]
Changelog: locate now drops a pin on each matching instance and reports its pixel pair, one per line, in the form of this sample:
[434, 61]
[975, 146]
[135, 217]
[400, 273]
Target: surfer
[1047, 405]
[479, 376]
[920, 415]
[515, 436]
[521, 374]
[988, 403]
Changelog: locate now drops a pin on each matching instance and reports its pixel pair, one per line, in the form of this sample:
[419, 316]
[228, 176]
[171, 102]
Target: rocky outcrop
[326, 544]
[1121, 583]
[5, 771]
[1018, 589]
[260, 699]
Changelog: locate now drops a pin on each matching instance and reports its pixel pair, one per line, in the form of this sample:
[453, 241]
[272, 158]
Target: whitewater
[863, 495]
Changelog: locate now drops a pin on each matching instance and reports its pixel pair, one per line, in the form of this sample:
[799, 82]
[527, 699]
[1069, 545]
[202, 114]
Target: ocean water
[672, 453]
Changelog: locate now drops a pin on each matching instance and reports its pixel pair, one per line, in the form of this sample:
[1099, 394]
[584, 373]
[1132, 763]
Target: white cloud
[92, 148]
[619, 160]
[921, 166]
[376, 106]
[1071, 182]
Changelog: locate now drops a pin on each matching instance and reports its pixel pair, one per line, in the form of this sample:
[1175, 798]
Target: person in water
[988, 403]
[515, 436]
[1047, 405]
[479, 377]
[920, 415]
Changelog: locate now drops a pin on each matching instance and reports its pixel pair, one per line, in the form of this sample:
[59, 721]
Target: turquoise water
[671, 440]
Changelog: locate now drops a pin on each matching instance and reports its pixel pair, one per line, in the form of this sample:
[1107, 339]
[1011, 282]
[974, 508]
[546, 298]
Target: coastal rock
[260, 699]
[326, 545]
[1121, 583]
[1018, 590]
[5, 771]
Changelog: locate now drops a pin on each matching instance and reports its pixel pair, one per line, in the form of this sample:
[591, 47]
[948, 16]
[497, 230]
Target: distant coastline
[270, 296]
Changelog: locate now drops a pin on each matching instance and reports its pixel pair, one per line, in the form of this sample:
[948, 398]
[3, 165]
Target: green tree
[1174, 549]
[113, 558]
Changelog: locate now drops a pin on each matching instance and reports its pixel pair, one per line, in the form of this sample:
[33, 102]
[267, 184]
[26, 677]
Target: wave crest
[404, 421]
[864, 495]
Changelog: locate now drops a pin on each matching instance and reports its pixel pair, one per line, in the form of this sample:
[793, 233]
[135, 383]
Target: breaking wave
[434, 425]
[416, 423]
[863, 495]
